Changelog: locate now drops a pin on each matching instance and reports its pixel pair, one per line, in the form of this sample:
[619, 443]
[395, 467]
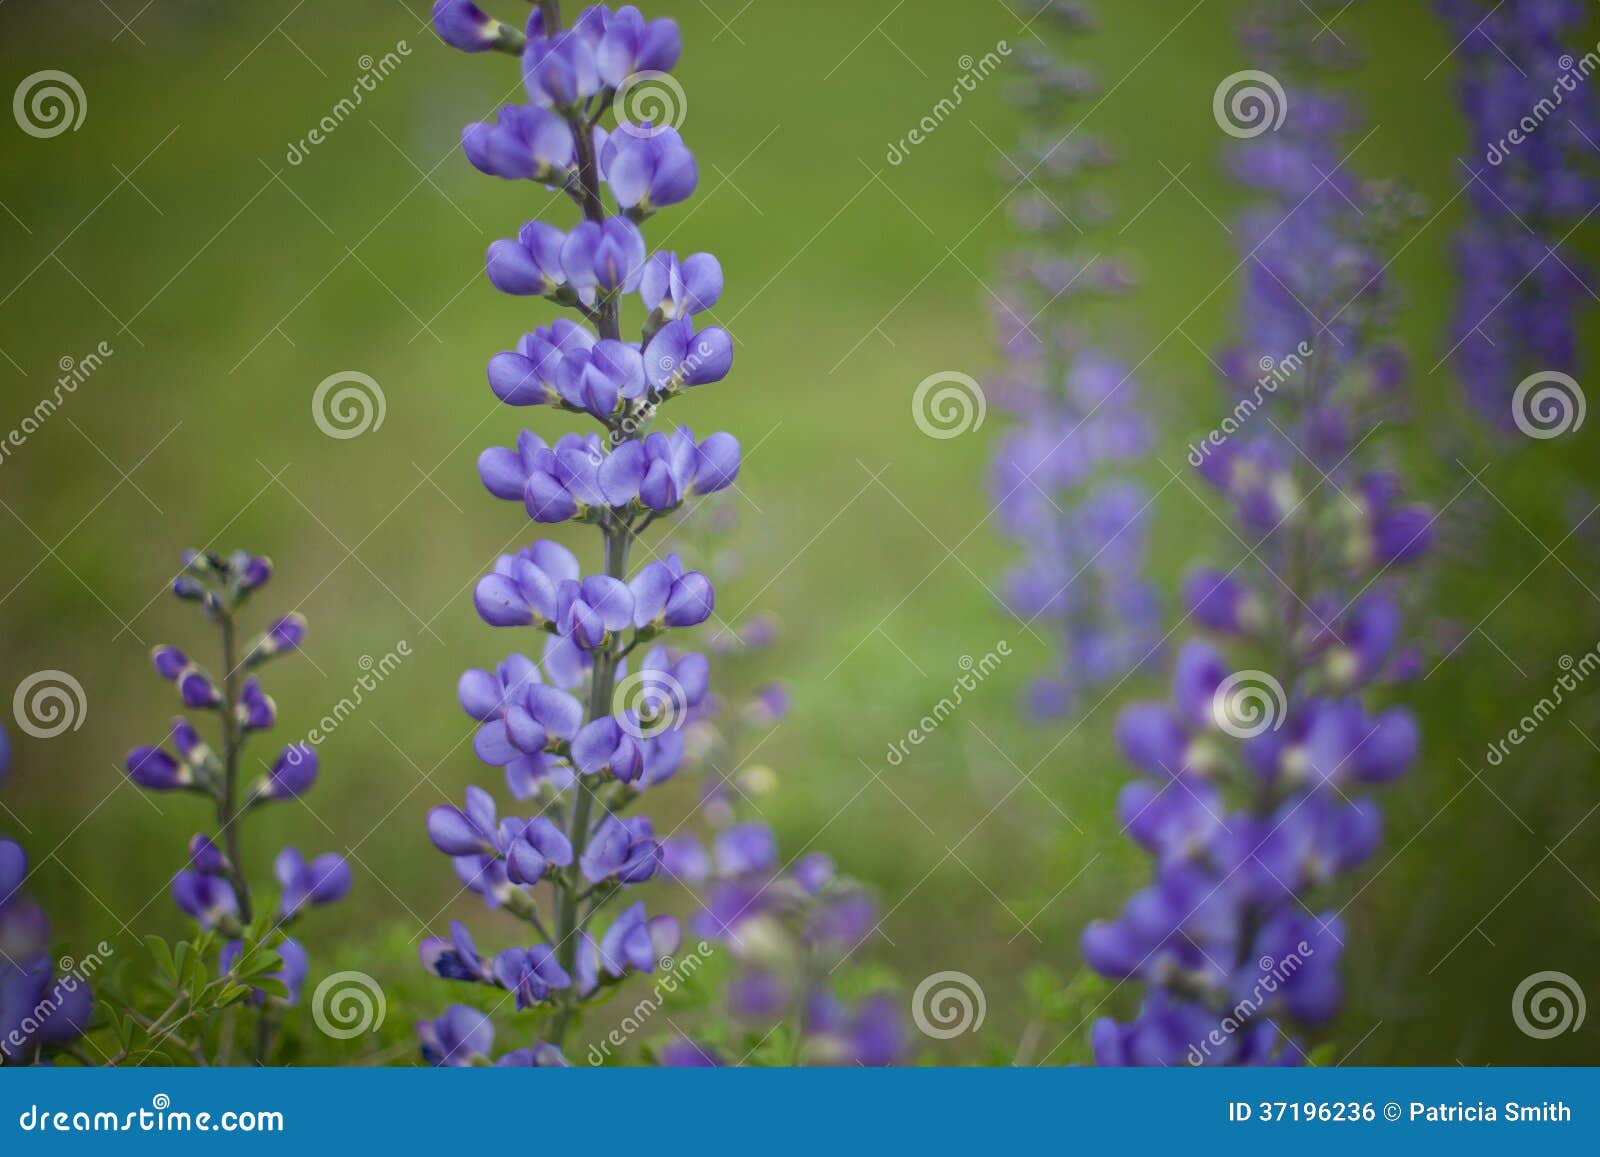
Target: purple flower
[255, 710]
[674, 290]
[322, 881]
[532, 851]
[209, 900]
[526, 375]
[1233, 959]
[465, 831]
[205, 857]
[608, 257]
[617, 479]
[664, 595]
[531, 974]
[596, 380]
[649, 168]
[560, 71]
[637, 942]
[633, 44]
[530, 265]
[523, 588]
[456, 958]
[528, 736]
[293, 774]
[524, 143]
[678, 357]
[664, 470]
[626, 850]
[461, 24]
[460, 1038]
[155, 769]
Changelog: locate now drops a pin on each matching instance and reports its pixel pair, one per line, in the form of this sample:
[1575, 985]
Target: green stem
[601, 687]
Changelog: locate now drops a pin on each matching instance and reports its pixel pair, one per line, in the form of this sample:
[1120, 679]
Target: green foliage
[163, 1004]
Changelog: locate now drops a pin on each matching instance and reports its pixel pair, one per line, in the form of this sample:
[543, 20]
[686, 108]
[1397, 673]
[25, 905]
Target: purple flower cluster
[597, 718]
[1533, 120]
[788, 928]
[212, 888]
[38, 1010]
[1055, 476]
[1256, 772]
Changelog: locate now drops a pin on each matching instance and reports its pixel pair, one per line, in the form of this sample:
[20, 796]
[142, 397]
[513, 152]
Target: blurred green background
[230, 282]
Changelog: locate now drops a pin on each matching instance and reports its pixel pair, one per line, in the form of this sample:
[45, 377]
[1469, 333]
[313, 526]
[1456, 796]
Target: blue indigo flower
[460, 1038]
[38, 1010]
[671, 289]
[213, 888]
[575, 729]
[461, 24]
[1058, 474]
[524, 143]
[649, 168]
[1528, 190]
[321, 881]
[1259, 767]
